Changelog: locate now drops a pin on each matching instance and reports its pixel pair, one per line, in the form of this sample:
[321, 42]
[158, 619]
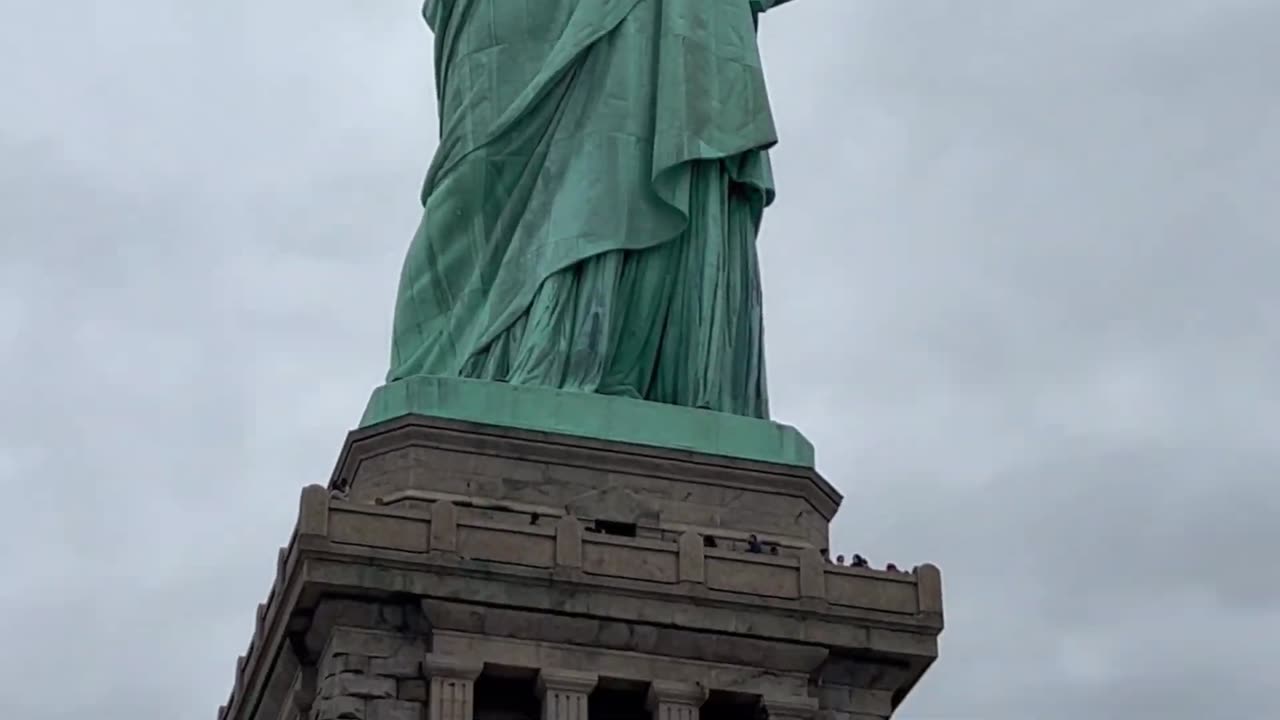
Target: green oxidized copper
[590, 218]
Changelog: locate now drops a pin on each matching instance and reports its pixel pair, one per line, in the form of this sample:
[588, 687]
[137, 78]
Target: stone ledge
[621, 603]
[611, 558]
[414, 458]
[672, 678]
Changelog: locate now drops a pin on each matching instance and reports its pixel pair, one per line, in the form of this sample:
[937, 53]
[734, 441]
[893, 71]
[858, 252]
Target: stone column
[564, 694]
[675, 700]
[451, 695]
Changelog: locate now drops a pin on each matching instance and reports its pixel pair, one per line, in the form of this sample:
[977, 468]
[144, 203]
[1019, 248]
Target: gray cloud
[1019, 292]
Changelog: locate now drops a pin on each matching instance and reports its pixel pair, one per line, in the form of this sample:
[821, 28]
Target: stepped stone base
[455, 571]
[589, 415]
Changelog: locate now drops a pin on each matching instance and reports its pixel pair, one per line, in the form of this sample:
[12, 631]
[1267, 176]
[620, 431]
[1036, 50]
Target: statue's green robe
[592, 209]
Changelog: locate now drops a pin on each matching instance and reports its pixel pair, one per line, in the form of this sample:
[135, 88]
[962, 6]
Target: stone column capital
[453, 668]
[795, 707]
[451, 694]
[566, 681]
[676, 693]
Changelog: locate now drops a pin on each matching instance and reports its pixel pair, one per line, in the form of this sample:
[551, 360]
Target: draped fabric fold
[591, 212]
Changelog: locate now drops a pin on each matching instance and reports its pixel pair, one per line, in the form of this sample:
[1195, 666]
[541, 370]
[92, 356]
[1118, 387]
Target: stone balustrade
[803, 574]
[511, 512]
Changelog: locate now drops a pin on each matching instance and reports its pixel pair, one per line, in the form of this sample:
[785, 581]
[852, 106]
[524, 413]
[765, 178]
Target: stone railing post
[929, 590]
[569, 542]
[444, 527]
[692, 561]
[675, 700]
[313, 511]
[813, 575]
[451, 694]
[564, 693]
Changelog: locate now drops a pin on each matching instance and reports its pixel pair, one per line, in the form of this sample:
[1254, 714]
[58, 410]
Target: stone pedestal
[455, 571]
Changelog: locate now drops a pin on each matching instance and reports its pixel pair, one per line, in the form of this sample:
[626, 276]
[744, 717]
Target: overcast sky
[1020, 286]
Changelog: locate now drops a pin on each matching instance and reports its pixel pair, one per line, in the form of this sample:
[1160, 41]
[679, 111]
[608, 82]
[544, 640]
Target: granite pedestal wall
[573, 579]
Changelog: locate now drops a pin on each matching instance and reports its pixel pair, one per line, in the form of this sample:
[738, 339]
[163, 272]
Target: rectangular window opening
[611, 527]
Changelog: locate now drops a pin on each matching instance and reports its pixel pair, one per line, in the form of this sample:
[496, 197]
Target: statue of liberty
[591, 213]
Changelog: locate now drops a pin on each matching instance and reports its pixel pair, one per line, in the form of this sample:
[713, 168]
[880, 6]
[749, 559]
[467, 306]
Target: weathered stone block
[406, 663]
[414, 690]
[859, 701]
[358, 685]
[359, 613]
[378, 530]
[343, 663]
[394, 710]
[340, 708]
[796, 707]
[753, 574]
[371, 643]
[530, 546]
[639, 559]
